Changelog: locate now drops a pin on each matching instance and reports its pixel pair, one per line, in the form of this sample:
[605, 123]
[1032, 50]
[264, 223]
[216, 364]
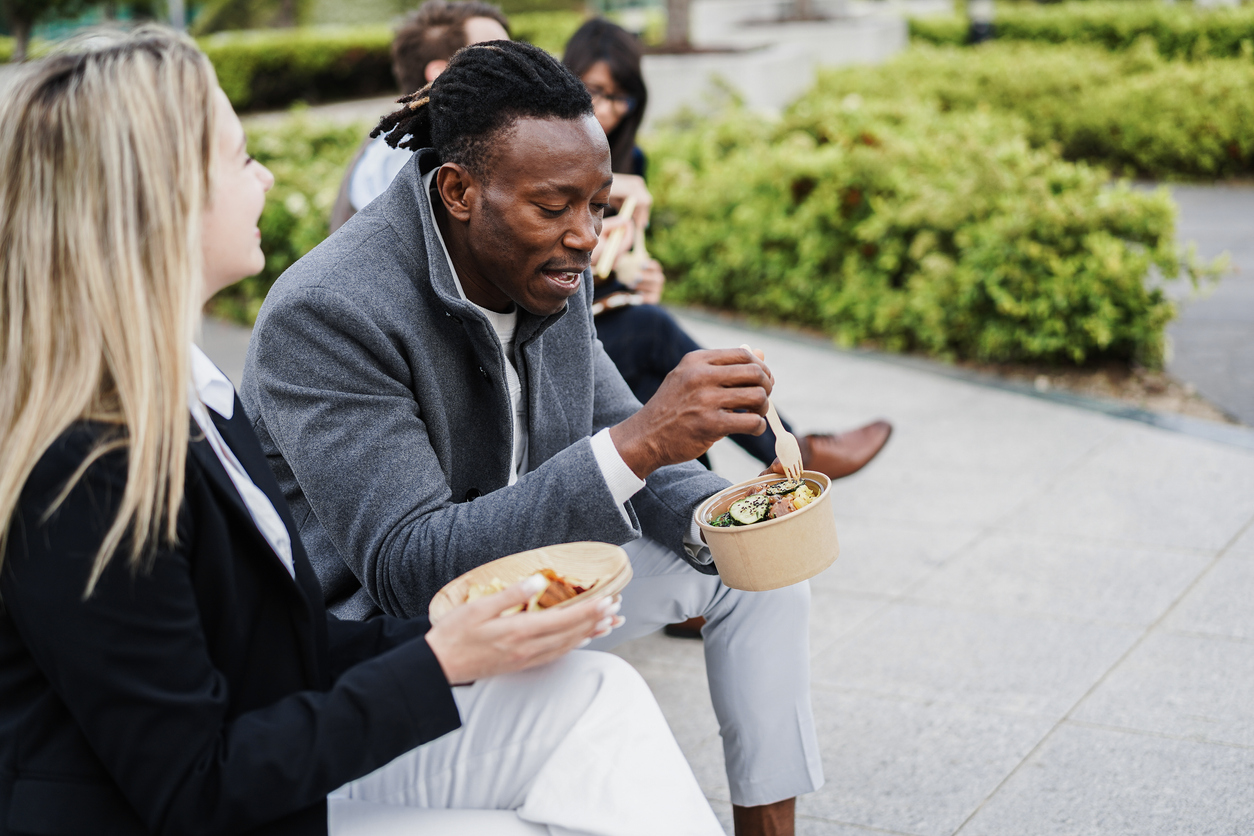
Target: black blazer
[210, 694]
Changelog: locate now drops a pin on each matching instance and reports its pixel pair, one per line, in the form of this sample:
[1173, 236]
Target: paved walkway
[1040, 622]
[1213, 340]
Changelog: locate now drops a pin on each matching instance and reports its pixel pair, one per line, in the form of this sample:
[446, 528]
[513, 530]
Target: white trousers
[578, 746]
[757, 660]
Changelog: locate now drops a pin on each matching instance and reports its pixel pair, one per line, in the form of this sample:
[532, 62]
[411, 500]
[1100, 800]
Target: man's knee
[789, 605]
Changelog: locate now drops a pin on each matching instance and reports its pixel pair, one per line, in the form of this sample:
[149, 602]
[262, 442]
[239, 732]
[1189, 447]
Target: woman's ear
[457, 188]
[433, 69]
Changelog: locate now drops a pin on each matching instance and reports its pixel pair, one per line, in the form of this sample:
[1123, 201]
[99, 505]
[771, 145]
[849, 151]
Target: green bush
[1178, 30]
[270, 69]
[898, 225]
[1131, 111]
[547, 30]
[308, 161]
[6, 50]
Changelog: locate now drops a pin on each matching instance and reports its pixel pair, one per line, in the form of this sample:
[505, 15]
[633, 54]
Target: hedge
[273, 68]
[898, 225]
[1131, 111]
[1179, 30]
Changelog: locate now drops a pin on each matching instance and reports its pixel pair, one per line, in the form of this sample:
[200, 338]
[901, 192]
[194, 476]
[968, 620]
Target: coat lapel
[239, 436]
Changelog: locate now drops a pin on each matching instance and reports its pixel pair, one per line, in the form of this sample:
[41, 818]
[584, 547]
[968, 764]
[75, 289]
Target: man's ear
[458, 190]
[433, 69]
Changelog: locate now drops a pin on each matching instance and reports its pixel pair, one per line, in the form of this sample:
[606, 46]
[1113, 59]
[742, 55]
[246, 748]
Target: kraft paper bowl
[772, 553]
[582, 563]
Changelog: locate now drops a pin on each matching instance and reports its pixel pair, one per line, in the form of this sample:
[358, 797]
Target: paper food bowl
[581, 563]
[772, 553]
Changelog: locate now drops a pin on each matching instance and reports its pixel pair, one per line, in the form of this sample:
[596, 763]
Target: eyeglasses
[627, 103]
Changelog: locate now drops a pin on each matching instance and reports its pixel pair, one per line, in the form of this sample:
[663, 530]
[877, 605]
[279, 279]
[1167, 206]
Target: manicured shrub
[1131, 111]
[308, 160]
[1178, 30]
[270, 69]
[898, 225]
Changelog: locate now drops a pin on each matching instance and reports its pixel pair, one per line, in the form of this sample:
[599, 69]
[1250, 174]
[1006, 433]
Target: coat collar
[406, 199]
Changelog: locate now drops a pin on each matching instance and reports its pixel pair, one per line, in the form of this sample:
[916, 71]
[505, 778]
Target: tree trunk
[677, 23]
[21, 38]
[286, 17]
[803, 10]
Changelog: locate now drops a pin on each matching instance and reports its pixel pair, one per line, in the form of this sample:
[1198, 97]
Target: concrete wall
[768, 63]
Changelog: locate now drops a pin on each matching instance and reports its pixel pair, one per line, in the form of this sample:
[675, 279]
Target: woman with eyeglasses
[642, 339]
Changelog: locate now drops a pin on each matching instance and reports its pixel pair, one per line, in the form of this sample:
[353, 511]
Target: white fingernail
[604, 605]
[614, 608]
[605, 624]
[583, 643]
[534, 584]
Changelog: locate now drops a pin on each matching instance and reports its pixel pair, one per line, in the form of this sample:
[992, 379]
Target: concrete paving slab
[1221, 603]
[1036, 576]
[1213, 338]
[1184, 686]
[1245, 541]
[912, 767]
[226, 345]
[1098, 782]
[999, 559]
[886, 558]
[901, 492]
[996, 661]
[1149, 486]
[993, 433]
[807, 826]
[835, 616]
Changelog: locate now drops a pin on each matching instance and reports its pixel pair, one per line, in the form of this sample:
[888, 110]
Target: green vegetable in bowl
[781, 488]
[750, 509]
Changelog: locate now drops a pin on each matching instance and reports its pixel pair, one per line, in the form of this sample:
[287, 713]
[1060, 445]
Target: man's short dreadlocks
[484, 90]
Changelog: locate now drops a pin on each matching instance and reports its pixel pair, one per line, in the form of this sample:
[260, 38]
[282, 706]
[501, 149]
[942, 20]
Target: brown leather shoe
[690, 629]
[841, 454]
[778, 819]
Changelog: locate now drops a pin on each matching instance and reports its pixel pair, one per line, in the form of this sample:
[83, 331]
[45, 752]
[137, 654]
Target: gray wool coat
[380, 399]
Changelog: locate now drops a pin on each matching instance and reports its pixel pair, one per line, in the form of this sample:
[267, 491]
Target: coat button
[473, 494]
[484, 373]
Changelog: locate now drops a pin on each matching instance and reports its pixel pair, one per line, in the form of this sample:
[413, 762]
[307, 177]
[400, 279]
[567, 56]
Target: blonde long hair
[106, 151]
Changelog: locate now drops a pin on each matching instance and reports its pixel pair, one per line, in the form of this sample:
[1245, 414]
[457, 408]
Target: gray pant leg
[757, 659]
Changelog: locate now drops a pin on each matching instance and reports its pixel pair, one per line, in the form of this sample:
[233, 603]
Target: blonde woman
[166, 665]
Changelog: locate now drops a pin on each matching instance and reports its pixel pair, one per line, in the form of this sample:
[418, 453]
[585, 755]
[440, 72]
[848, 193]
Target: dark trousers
[646, 342]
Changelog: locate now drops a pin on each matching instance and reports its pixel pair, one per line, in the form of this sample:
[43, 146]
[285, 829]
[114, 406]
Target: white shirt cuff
[695, 546]
[619, 478]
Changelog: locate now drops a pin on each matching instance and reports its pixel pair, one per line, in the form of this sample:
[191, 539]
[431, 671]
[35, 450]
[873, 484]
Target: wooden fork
[786, 446]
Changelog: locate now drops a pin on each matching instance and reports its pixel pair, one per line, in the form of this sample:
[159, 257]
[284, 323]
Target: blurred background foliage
[899, 225]
[959, 201]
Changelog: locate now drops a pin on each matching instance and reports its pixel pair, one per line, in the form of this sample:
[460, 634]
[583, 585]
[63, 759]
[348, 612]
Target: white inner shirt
[212, 389]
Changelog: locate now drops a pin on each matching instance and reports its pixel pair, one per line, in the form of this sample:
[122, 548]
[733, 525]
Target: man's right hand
[695, 406]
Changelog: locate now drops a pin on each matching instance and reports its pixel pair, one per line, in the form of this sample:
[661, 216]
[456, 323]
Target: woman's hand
[608, 226]
[649, 284]
[632, 185]
[474, 641]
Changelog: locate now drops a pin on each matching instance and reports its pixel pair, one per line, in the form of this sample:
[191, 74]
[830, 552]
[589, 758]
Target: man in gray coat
[428, 386]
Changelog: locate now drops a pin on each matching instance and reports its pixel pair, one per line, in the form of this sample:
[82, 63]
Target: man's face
[532, 226]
